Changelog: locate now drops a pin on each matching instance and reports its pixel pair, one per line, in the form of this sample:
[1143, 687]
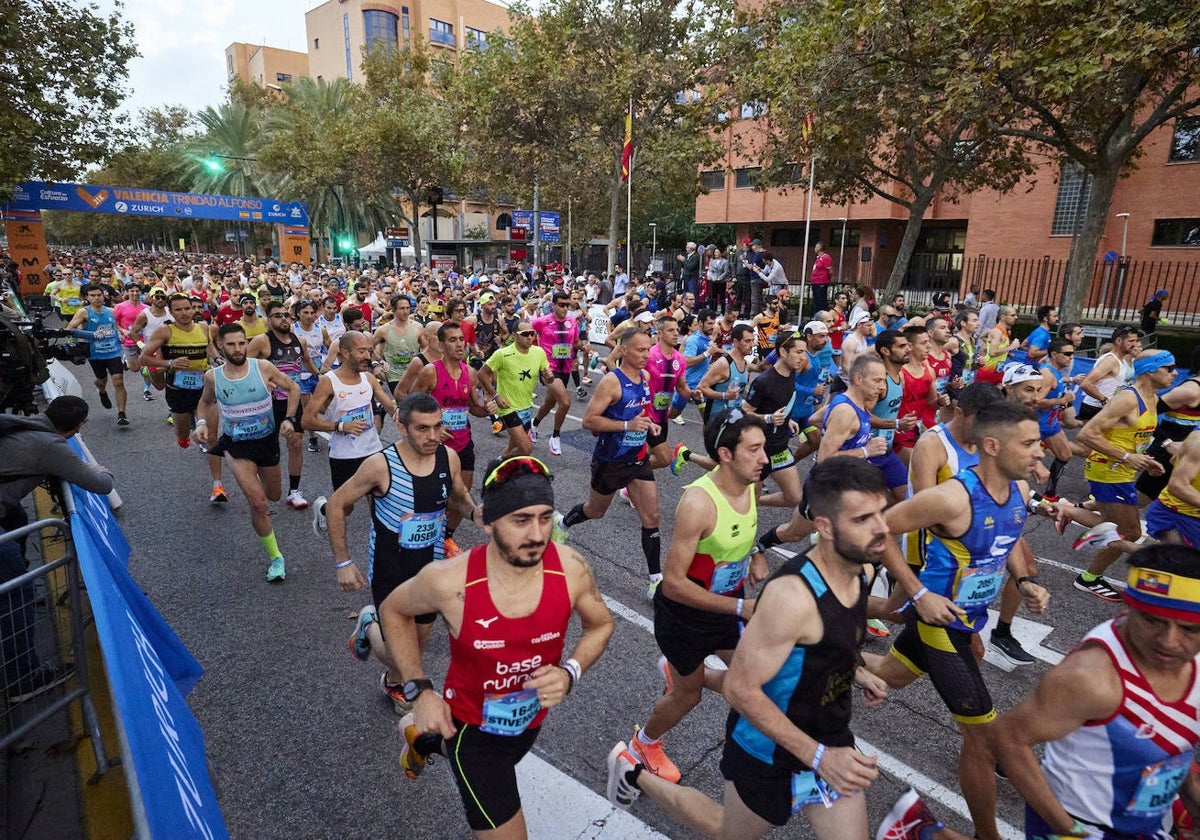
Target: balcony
[443, 37]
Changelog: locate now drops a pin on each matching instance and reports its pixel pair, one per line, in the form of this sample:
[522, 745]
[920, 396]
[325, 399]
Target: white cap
[816, 328]
[643, 318]
[1016, 374]
[859, 318]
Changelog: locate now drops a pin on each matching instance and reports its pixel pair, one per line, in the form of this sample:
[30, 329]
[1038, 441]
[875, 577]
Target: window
[1185, 143]
[476, 39]
[441, 32]
[503, 221]
[713, 179]
[1176, 233]
[316, 43]
[1074, 188]
[283, 77]
[379, 29]
[793, 237]
[405, 24]
[747, 177]
[229, 64]
[852, 235]
[750, 110]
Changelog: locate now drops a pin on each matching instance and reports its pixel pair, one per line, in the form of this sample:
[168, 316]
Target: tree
[892, 112]
[59, 111]
[548, 105]
[1092, 82]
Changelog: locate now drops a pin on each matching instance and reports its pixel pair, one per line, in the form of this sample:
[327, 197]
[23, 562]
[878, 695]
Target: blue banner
[131, 201]
[551, 224]
[150, 672]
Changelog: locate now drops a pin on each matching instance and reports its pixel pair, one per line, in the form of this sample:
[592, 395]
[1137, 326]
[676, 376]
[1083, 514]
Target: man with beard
[241, 390]
[507, 605]
[253, 325]
[411, 484]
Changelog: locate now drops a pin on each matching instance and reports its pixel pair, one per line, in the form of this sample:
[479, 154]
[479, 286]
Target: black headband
[520, 492]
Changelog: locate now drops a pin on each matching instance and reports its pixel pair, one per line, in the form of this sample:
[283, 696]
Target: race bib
[727, 577]
[661, 400]
[454, 419]
[560, 351]
[633, 440]
[421, 530]
[1158, 787]
[781, 459]
[940, 383]
[810, 789]
[74, 301]
[979, 585]
[509, 714]
[105, 340]
[968, 376]
[401, 360]
[888, 436]
[189, 380]
[256, 421]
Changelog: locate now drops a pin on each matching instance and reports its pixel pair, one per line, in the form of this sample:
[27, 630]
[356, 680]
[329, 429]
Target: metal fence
[42, 645]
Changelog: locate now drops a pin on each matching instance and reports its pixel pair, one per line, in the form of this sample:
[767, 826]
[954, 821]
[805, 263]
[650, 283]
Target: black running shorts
[610, 476]
[485, 770]
[945, 654]
[686, 635]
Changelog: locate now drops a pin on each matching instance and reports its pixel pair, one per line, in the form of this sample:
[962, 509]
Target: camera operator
[35, 448]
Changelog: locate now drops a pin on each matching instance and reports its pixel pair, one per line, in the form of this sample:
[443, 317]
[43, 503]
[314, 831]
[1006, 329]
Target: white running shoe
[319, 524]
[296, 501]
[621, 793]
[555, 445]
[533, 436]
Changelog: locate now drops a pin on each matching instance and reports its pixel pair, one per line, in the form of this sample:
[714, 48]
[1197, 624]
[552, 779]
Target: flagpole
[812, 174]
[629, 207]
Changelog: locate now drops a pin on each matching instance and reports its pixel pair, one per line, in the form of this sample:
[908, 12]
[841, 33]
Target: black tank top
[485, 336]
[813, 688]
[410, 518]
[289, 358]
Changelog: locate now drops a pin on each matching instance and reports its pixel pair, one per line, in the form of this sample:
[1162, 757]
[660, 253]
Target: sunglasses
[735, 415]
[515, 466]
[1061, 353]
[1169, 368]
[527, 333]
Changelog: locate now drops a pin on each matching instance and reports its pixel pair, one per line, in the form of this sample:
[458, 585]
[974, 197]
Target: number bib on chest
[509, 714]
[362, 412]
[189, 380]
[454, 419]
[632, 439]
[968, 376]
[249, 421]
[1159, 785]
[560, 351]
[661, 400]
[979, 585]
[808, 789]
[421, 530]
[727, 577]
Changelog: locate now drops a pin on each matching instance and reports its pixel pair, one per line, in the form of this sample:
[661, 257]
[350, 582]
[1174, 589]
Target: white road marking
[557, 806]
[1115, 584]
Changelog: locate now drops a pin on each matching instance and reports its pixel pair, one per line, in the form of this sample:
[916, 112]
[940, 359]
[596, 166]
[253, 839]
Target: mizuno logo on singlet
[486, 623]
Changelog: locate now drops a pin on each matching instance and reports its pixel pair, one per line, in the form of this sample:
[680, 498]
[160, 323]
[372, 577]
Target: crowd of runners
[908, 448]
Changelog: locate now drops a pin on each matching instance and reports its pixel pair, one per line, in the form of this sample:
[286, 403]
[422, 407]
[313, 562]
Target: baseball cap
[859, 318]
[1124, 330]
[816, 328]
[941, 300]
[643, 317]
[486, 297]
[157, 290]
[746, 241]
[1016, 374]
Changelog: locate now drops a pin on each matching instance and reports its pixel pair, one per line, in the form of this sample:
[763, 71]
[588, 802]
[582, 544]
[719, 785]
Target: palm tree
[224, 159]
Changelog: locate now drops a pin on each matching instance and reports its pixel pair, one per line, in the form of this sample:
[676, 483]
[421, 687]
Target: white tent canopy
[379, 248]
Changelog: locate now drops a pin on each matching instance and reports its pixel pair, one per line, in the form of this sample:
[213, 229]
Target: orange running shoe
[450, 548]
[654, 759]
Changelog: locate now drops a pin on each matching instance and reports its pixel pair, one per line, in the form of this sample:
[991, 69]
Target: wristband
[574, 671]
[1027, 579]
[201, 422]
[1124, 457]
[338, 427]
[741, 602]
[818, 754]
[920, 592]
[626, 425]
[343, 564]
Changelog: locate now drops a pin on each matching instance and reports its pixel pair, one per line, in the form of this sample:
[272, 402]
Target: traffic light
[346, 242]
[213, 163]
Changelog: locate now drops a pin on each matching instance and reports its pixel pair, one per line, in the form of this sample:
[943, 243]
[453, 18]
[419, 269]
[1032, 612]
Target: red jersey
[837, 330]
[365, 309]
[914, 399]
[494, 655]
[227, 314]
[941, 370]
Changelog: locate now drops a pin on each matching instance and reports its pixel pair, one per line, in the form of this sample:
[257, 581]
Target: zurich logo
[121, 207]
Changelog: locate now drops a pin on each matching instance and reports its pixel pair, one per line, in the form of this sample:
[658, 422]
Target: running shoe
[313, 446]
[450, 548]
[412, 760]
[652, 586]
[296, 501]
[170, 419]
[184, 443]
[533, 435]
[587, 380]
[497, 427]
[1008, 647]
[122, 420]
[558, 531]
[276, 571]
[1098, 536]
[665, 668]
[395, 691]
[621, 792]
[218, 494]
[906, 819]
[1098, 587]
[105, 399]
[581, 392]
[679, 421]
[555, 445]
[654, 759]
[877, 628]
[147, 396]
[624, 493]
[360, 643]
[679, 458]
[319, 525]
[595, 362]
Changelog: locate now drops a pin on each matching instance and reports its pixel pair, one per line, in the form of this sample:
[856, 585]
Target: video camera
[25, 345]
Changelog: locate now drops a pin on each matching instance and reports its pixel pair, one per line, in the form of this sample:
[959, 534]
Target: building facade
[265, 66]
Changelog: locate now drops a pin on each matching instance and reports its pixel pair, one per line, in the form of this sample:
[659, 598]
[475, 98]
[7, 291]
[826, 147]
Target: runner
[558, 335]
[104, 349]
[284, 349]
[125, 314]
[966, 324]
[236, 420]
[431, 353]
[699, 349]
[185, 349]
[251, 323]
[453, 383]
[973, 521]
[1180, 417]
[722, 387]
[858, 340]
[1174, 516]
[411, 485]
[701, 605]
[618, 415]
[919, 395]
[1059, 355]
[768, 322]
[316, 341]
[1037, 344]
[507, 605]
[667, 369]
[886, 421]
[509, 377]
[144, 326]
[996, 344]
[1120, 715]
[789, 746]
[397, 342]
[812, 385]
[1118, 438]
[942, 354]
[771, 397]
[1113, 370]
[331, 319]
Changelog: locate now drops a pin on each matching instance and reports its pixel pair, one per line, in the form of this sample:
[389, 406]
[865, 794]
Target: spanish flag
[806, 130]
[627, 149]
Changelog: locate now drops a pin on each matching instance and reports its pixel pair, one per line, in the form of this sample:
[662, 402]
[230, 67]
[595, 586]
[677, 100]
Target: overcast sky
[182, 44]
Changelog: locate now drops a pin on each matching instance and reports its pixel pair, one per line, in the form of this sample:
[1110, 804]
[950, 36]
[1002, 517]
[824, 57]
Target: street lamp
[653, 240]
[842, 248]
[1124, 233]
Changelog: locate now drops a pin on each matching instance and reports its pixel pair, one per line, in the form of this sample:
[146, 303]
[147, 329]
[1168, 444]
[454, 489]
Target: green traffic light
[347, 243]
[213, 165]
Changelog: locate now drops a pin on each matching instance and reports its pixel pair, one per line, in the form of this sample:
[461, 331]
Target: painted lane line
[549, 797]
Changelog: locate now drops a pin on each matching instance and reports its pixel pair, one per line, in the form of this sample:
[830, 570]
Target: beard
[518, 556]
[855, 553]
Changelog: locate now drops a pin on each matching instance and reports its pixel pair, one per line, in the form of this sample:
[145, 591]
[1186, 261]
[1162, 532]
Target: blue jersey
[696, 344]
[1048, 418]
[246, 409]
[969, 569]
[855, 441]
[888, 408]
[1039, 338]
[625, 445]
[106, 341]
[737, 379]
[806, 383]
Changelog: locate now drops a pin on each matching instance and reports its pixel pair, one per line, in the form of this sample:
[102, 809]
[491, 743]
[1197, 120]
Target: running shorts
[776, 461]
[342, 469]
[103, 368]
[485, 769]
[1160, 519]
[945, 654]
[765, 788]
[1117, 493]
[466, 458]
[183, 400]
[894, 471]
[263, 452]
[610, 476]
[686, 635]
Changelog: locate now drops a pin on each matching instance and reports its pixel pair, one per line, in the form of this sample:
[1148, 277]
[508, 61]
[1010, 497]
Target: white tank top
[335, 328]
[314, 342]
[351, 402]
[1109, 385]
[153, 322]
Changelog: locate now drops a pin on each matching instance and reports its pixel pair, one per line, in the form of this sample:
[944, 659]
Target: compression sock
[1056, 470]
[574, 516]
[270, 545]
[652, 548]
[770, 539]
[557, 429]
[575, 377]
[293, 482]
[1003, 628]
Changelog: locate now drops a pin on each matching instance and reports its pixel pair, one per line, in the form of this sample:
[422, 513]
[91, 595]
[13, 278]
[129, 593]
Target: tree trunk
[1083, 258]
[414, 229]
[614, 209]
[908, 243]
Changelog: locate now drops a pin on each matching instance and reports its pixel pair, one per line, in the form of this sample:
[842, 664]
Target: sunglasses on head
[735, 415]
[515, 466]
